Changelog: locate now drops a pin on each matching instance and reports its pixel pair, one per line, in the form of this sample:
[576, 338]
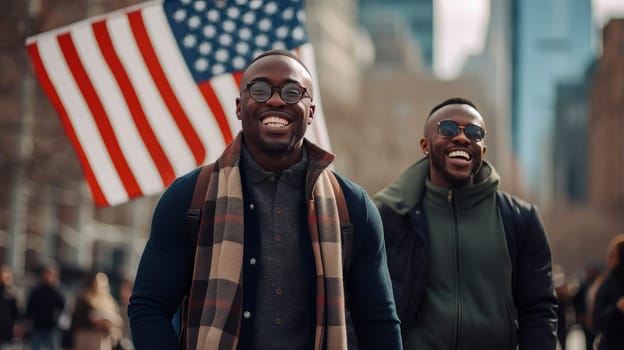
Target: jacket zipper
[457, 270]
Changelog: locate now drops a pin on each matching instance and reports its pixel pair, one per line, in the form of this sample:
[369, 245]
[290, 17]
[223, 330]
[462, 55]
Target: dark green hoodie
[467, 303]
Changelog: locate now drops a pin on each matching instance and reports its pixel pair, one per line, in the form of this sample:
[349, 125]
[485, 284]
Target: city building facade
[412, 18]
[552, 43]
[606, 124]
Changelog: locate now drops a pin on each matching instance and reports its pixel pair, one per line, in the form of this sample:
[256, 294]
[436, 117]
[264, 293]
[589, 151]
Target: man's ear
[424, 146]
[311, 114]
[238, 108]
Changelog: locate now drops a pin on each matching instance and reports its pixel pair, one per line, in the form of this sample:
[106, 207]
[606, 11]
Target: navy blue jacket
[166, 267]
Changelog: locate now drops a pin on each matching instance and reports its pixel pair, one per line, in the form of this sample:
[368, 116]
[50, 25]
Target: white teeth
[459, 154]
[275, 122]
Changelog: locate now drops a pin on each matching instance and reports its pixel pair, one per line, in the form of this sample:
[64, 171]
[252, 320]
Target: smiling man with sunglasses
[470, 265]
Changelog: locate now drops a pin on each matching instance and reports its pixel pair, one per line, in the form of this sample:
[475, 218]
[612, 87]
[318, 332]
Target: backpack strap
[346, 229]
[193, 214]
[193, 218]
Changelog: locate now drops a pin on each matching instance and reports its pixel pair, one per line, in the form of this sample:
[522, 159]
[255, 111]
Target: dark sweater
[165, 272]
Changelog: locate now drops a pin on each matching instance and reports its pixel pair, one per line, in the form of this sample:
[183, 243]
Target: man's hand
[620, 304]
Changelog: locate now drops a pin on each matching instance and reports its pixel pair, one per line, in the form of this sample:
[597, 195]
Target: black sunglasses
[450, 128]
[290, 93]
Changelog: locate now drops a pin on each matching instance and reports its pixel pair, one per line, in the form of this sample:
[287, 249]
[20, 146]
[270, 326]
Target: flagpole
[19, 190]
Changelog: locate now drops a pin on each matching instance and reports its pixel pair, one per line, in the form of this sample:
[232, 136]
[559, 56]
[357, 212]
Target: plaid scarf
[216, 295]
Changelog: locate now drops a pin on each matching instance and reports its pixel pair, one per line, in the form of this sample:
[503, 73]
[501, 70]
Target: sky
[461, 26]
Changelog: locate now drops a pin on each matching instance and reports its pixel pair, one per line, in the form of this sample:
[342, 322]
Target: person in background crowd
[125, 291]
[562, 291]
[609, 301]
[584, 300]
[96, 321]
[267, 271]
[8, 308]
[44, 306]
[470, 265]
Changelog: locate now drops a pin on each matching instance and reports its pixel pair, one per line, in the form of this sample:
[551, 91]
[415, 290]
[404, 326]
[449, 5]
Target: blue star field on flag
[218, 37]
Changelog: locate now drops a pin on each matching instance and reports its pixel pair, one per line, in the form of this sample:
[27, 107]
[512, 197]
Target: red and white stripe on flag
[130, 104]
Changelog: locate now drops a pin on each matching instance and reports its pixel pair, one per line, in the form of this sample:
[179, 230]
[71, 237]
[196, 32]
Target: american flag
[147, 93]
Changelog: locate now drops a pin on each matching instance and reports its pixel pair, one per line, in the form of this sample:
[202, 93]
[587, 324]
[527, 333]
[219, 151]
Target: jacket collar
[406, 192]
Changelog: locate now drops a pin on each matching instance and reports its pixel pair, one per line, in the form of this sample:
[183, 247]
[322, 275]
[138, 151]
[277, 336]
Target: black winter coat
[8, 314]
[608, 320]
[408, 255]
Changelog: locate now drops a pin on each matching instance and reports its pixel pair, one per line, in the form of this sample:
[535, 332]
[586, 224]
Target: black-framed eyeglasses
[450, 128]
[291, 93]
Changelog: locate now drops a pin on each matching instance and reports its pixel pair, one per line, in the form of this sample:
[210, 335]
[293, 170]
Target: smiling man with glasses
[470, 265]
[276, 265]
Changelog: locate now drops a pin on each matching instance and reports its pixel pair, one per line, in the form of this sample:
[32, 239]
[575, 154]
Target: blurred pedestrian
[563, 296]
[8, 308]
[96, 320]
[609, 301]
[125, 290]
[584, 299]
[45, 304]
